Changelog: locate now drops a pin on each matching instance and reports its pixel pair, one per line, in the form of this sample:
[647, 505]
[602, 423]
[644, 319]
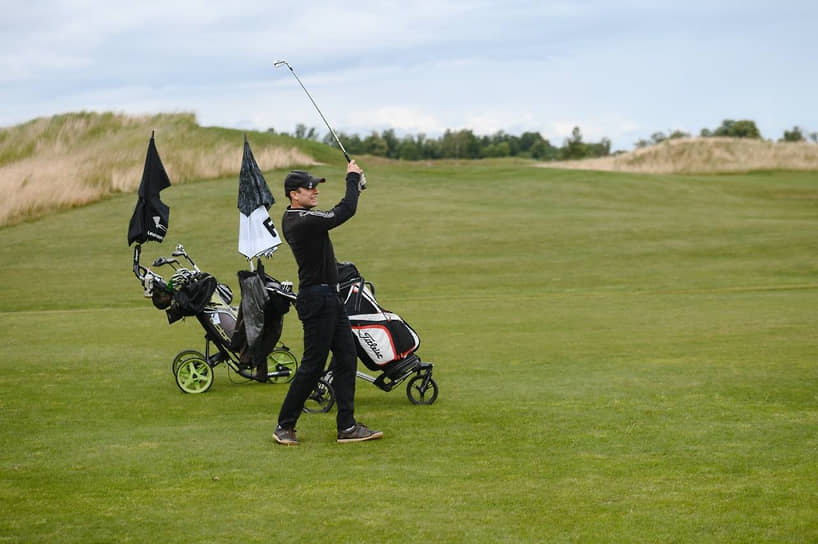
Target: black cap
[300, 178]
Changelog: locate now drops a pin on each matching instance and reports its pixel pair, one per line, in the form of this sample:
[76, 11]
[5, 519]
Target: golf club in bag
[279, 63]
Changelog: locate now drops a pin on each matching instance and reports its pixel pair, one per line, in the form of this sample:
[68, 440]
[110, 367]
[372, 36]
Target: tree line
[730, 128]
[464, 144]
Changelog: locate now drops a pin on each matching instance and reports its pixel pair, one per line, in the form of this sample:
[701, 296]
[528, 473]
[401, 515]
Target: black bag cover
[150, 217]
[190, 299]
[347, 272]
[260, 320]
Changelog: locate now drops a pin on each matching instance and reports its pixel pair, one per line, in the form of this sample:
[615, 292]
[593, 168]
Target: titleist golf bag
[383, 338]
[385, 342]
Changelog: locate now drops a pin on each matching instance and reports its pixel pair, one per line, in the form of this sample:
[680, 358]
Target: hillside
[704, 156]
[75, 159]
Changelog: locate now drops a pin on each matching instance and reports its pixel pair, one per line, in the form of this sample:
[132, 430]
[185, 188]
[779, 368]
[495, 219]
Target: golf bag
[383, 338]
[384, 341]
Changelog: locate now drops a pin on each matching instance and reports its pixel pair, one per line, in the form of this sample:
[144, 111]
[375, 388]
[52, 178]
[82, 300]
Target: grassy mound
[74, 159]
[705, 156]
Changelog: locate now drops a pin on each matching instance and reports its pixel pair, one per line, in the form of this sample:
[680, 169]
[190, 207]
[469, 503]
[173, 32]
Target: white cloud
[401, 119]
[621, 71]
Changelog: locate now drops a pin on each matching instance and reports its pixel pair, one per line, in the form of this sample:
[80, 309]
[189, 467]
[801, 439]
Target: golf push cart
[191, 292]
[386, 344]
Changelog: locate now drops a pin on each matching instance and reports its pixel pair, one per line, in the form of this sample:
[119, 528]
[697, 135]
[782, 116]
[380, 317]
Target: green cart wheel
[194, 375]
[183, 356]
[282, 364]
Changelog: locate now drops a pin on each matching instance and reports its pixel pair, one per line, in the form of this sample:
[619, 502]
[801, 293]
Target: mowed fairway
[621, 358]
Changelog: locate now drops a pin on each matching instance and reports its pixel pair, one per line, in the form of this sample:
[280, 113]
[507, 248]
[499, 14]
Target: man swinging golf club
[319, 307]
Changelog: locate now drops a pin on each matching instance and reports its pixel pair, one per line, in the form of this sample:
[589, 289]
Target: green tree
[448, 145]
[352, 143]
[430, 148]
[724, 129]
[574, 147]
[374, 144]
[409, 149]
[543, 150]
[462, 144]
[304, 133]
[745, 129]
[529, 140]
[392, 143]
[794, 135]
[600, 149]
[738, 129]
[500, 149]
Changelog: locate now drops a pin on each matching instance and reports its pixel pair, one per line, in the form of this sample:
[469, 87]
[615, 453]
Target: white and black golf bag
[383, 338]
[385, 343]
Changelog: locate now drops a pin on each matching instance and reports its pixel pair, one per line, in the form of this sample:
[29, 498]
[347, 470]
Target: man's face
[304, 198]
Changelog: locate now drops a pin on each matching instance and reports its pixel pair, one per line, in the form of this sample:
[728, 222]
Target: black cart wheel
[422, 389]
[321, 399]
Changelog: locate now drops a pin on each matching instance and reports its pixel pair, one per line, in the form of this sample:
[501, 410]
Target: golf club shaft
[338, 141]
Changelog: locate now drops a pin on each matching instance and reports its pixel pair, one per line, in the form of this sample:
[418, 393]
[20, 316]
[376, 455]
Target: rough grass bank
[705, 156]
[75, 159]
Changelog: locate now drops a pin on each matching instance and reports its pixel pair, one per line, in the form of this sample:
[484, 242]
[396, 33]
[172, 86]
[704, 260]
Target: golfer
[319, 306]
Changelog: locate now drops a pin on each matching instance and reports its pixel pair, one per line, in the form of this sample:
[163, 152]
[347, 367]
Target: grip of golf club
[362, 183]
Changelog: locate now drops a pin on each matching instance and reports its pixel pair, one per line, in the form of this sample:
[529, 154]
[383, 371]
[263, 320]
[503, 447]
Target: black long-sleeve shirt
[307, 233]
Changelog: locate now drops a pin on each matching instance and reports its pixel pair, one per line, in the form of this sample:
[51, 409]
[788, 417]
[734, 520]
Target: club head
[278, 63]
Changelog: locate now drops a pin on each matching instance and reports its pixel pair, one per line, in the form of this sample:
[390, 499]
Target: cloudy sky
[621, 69]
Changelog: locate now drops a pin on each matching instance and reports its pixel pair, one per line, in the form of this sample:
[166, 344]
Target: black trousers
[326, 328]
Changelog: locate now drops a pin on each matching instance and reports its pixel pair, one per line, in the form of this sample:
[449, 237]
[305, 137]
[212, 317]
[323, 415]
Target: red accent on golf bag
[382, 336]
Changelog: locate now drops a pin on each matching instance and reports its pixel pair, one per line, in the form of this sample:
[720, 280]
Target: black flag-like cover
[257, 234]
[253, 190]
[150, 218]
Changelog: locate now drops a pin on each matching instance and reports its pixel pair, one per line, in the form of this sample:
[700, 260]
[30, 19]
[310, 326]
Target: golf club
[279, 63]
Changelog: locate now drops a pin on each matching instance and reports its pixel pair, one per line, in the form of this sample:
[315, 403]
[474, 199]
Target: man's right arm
[349, 204]
[315, 220]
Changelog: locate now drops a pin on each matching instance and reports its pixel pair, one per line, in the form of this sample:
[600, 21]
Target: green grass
[621, 358]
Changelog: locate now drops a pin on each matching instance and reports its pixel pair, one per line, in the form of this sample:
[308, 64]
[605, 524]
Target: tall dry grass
[75, 159]
[705, 156]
